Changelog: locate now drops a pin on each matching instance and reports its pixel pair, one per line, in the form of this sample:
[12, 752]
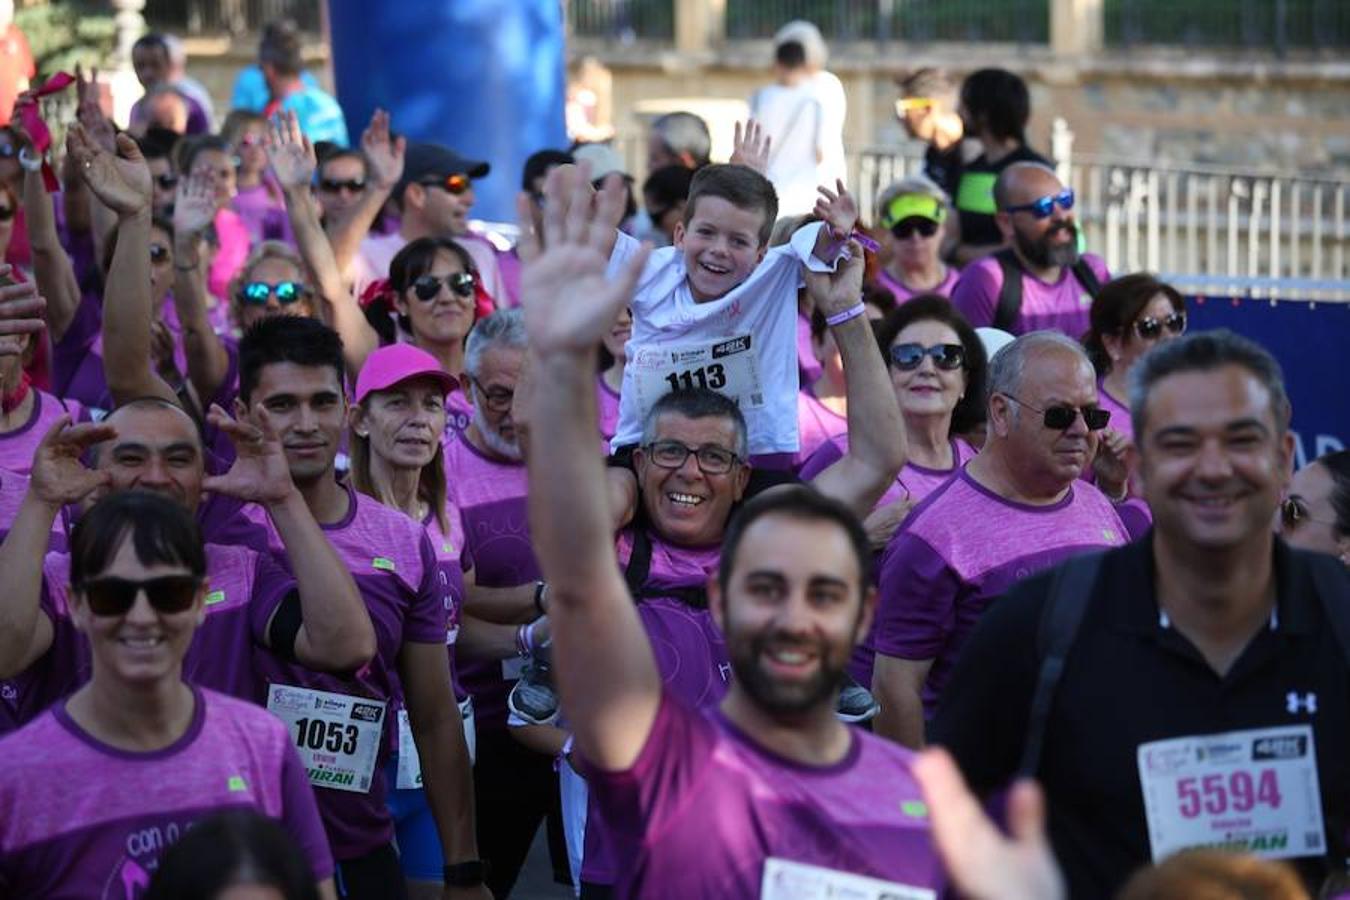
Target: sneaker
[533, 698]
[856, 703]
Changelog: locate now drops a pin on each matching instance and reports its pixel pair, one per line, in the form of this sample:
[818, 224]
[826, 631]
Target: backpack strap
[1010, 295]
[1086, 277]
[639, 561]
[1070, 594]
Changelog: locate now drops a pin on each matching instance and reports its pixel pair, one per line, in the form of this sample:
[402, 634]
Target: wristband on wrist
[852, 312]
[30, 161]
[540, 594]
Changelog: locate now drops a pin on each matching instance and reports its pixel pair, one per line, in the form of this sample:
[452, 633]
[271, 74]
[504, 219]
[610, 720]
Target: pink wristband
[852, 312]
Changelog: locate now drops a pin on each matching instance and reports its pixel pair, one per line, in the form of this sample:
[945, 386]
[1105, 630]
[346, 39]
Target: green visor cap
[908, 206]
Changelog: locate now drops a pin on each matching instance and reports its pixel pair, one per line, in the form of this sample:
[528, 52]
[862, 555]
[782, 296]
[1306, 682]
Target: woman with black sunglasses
[911, 215]
[1315, 514]
[98, 786]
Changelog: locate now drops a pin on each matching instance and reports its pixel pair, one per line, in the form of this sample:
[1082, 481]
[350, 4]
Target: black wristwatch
[465, 874]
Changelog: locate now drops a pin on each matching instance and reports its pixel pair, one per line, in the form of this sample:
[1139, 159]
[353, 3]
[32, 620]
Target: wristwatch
[470, 873]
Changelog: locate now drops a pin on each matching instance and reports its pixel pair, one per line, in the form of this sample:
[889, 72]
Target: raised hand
[984, 864]
[58, 476]
[289, 152]
[837, 209]
[1111, 465]
[750, 147]
[260, 473]
[89, 111]
[569, 302]
[834, 292]
[122, 181]
[384, 154]
[194, 205]
[20, 306]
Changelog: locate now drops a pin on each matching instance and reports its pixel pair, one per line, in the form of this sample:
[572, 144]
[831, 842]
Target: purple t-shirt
[394, 566]
[458, 415]
[13, 488]
[808, 367]
[1062, 306]
[77, 358]
[1120, 412]
[704, 806]
[607, 404]
[903, 293]
[490, 495]
[961, 548]
[454, 561]
[86, 820]
[55, 675]
[17, 446]
[263, 214]
[913, 481]
[816, 424]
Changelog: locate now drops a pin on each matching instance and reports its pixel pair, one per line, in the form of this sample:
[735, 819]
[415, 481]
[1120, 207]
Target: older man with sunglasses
[1039, 281]
[1016, 508]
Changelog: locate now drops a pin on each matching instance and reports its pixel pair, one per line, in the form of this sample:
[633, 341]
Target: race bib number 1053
[337, 736]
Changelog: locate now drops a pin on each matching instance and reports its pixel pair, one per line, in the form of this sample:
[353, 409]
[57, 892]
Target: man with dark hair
[927, 110]
[771, 785]
[150, 57]
[1039, 281]
[678, 139]
[342, 179]
[279, 57]
[665, 194]
[792, 118]
[291, 378]
[1192, 688]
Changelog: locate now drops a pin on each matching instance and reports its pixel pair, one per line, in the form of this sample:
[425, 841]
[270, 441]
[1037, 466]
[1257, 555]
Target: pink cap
[388, 366]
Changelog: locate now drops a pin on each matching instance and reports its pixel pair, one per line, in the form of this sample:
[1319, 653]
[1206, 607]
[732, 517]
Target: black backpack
[1010, 295]
[639, 566]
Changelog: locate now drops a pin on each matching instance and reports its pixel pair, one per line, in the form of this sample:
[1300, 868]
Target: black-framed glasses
[1044, 207]
[908, 357]
[6, 213]
[428, 287]
[907, 228]
[1150, 328]
[1294, 512]
[456, 184]
[159, 254]
[257, 293]
[1061, 416]
[167, 182]
[711, 459]
[333, 185]
[111, 596]
[496, 399]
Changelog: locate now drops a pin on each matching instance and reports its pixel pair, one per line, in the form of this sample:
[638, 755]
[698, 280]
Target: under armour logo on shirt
[1295, 703]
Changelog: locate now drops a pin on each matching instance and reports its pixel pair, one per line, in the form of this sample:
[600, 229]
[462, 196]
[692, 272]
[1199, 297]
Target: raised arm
[606, 673]
[876, 430]
[384, 162]
[335, 632]
[292, 159]
[839, 213]
[194, 209]
[52, 271]
[121, 182]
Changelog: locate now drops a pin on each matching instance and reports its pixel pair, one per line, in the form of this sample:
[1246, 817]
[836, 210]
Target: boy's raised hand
[837, 209]
[750, 147]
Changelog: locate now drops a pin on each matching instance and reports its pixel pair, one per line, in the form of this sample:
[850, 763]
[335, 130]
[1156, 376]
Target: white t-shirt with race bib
[743, 344]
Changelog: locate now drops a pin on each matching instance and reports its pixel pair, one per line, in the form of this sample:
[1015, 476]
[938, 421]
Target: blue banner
[1311, 341]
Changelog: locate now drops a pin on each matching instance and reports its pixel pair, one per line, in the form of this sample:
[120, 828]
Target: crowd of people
[750, 543]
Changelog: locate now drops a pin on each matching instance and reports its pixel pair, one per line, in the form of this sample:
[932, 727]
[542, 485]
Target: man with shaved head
[1040, 281]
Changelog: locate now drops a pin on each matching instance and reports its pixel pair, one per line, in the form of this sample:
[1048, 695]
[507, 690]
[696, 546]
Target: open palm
[384, 153]
[194, 206]
[121, 182]
[58, 476]
[260, 473]
[289, 152]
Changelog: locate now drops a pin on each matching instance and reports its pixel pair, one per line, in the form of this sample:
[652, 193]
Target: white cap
[994, 340]
[603, 158]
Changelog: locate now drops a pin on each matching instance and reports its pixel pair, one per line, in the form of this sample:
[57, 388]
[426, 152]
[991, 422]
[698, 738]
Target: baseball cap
[539, 164]
[910, 206]
[603, 159]
[387, 366]
[424, 161]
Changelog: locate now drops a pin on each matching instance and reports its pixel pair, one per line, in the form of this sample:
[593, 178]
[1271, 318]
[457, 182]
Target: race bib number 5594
[1253, 791]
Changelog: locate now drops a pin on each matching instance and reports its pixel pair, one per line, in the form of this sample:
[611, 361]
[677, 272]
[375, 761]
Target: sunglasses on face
[497, 399]
[455, 184]
[428, 287]
[167, 182]
[351, 185]
[907, 228]
[1149, 328]
[159, 254]
[257, 293]
[6, 213]
[1044, 207]
[908, 357]
[115, 596]
[1061, 416]
[711, 459]
[1294, 512]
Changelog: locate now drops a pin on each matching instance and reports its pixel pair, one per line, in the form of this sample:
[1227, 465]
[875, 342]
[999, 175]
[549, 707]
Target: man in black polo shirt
[1205, 694]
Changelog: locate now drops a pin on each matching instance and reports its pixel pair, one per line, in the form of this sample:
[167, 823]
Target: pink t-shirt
[902, 293]
[961, 548]
[17, 446]
[808, 367]
[13, 488]
[1062, 306]
[1120, 411]
[704, 806]
[453, 561]
[84, 819]
[607, 403]
[458, 415]
[913, 481]
[816, 424]
[263, 212]
[234, 246]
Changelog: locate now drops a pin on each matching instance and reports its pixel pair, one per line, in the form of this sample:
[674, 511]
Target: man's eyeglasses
[1044, 207]
[908, 357]
[1294, 512]
[455, 184]
[907, 228]
[711, 459]
[257, 293]
[497, 399]
[1061, 416]
[115, 596]
[428, 287]
[333, 185]
[1149, 328]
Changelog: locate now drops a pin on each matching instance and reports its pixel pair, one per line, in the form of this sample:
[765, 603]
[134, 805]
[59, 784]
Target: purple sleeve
[916, 611]
[300, 815]
[428, 616]
[826, 455]
[976, 294]
[271, 584]
[1098, 266]
[1135, 516]
[635, 802]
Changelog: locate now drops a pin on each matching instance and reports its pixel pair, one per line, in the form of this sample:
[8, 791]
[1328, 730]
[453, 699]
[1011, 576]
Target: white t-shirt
[829, 90]
[792, 117]
[743, 344]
